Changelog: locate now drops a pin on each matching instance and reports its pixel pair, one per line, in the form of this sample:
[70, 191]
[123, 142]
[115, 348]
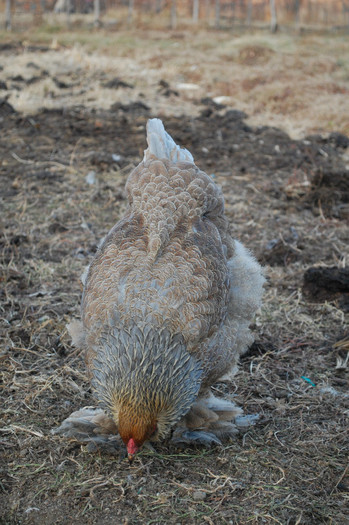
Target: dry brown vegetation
[287, 199]
[299, 84]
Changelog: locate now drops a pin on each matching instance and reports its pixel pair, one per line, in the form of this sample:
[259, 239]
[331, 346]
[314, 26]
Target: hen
[166, 308]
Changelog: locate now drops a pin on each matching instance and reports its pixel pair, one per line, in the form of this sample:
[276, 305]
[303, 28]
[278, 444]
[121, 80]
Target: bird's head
[147, 381]
[136, 427]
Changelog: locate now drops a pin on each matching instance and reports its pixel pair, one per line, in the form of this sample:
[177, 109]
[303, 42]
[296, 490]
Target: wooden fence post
[218, 13]
[68, 8]
[195, 11]
[37, 17]
[297, 14]
[97, 13]
[345, 11]
[173, 14]
[130, 12]
[8, 18]
[273, 17]
[249, 13]
[158, 6]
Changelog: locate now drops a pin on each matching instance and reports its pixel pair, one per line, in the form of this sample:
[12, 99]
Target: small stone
[91, 177]
[199, 495]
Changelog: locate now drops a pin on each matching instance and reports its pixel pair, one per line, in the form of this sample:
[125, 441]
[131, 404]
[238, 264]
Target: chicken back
[167, 303]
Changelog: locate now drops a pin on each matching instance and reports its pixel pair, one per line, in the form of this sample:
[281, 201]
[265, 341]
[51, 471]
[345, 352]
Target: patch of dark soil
[329, 192]
[322, 182]
[259, 348]
[34, 80]
[36, 48]
[278, 253]
[8, 46]
[165, 90]
[33, 65]
[208, 101]
[17, 78]
[116, 83]
[283, 251]
[290, 466]
[5, 108]
[61, 84]
[327, 284]
[134, 107]
[339, 140]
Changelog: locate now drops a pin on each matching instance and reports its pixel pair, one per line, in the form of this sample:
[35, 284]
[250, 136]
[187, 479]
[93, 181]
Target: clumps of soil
[283, 251]
[116, 83]
[5, 109]
[322, 182]
[327, 284]
[137, 108]
[165, 89]
[259, 348]
[329, 192]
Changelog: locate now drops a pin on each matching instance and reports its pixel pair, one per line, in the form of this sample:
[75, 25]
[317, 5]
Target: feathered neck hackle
[146, 379]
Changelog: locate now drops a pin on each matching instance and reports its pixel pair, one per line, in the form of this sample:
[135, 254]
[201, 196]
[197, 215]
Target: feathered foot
[91, 426]
[243, 422]
[195, 437]
[210, 421]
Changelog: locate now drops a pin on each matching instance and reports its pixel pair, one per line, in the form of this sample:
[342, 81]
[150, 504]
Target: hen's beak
[131, 457]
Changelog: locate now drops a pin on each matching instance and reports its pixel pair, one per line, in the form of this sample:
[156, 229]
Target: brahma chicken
[166, 309]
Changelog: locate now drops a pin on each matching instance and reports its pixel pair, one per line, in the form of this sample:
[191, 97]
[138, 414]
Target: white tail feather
[162, 145]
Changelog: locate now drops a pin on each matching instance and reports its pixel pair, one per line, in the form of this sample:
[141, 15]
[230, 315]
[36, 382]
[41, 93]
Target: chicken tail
[162, 145]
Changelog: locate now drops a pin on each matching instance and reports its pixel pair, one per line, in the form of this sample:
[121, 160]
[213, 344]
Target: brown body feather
[168, 299]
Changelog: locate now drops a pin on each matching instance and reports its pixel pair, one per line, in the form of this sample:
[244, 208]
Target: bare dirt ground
[63, 170]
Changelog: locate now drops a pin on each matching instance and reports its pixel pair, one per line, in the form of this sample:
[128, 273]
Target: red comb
[131, 447]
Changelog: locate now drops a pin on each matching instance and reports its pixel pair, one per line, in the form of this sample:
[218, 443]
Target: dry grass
[291, 468]
[299, 84]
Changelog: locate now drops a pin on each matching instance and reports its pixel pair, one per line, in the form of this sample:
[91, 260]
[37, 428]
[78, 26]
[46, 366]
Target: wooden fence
[16, 14]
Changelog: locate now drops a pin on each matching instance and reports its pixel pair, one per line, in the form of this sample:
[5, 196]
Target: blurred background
[284, 63]
[299, 14]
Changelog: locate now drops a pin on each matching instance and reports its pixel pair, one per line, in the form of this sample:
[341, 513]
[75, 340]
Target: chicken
[166, 308]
